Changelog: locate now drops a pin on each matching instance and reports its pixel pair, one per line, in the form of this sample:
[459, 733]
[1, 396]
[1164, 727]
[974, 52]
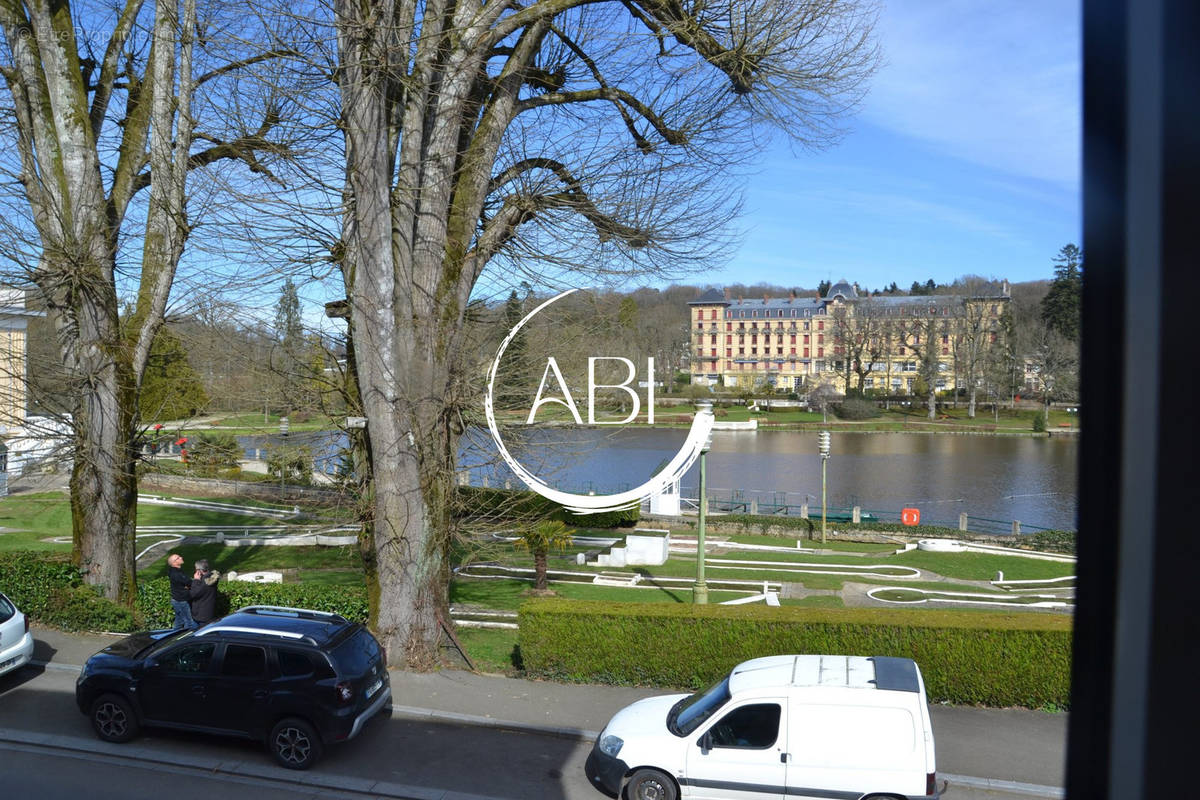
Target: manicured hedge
[49, 589]
[990, 659]
[154, 599]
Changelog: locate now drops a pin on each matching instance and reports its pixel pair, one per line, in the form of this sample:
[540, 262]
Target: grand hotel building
[795, 343]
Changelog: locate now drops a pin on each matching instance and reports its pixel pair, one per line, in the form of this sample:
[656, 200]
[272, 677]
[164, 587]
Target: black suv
[294, 678]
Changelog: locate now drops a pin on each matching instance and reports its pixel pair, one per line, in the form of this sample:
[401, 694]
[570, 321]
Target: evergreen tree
[170, 388]
[289, 336]
[512, 381]
[823, 288]
[1061, 305]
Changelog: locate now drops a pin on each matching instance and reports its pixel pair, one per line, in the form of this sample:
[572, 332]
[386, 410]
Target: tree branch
[609, 93]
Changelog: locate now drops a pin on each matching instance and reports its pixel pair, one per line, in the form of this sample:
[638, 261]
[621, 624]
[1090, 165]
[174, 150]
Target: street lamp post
[700, 592]
[823, 448]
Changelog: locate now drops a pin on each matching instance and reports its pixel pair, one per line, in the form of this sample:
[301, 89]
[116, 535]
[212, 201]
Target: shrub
[31, 576]
[856, 408]
[1039, 423]
[291, 465]
[154, 599]
[212, 453]
[991, 659]
[81, 608]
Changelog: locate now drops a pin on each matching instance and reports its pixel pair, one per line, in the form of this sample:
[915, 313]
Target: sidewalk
[1010, 750]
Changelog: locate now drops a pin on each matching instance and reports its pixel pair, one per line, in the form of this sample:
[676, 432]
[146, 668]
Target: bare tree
[543, 137]
[81, 157]
[923, 335]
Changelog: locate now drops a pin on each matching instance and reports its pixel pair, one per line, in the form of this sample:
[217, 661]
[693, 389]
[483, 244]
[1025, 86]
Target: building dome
[846, 290]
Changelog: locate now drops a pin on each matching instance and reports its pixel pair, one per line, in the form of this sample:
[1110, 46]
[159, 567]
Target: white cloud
[993, 82]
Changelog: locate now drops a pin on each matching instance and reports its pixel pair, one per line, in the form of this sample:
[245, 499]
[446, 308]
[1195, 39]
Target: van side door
[741, 755]
[854, 749]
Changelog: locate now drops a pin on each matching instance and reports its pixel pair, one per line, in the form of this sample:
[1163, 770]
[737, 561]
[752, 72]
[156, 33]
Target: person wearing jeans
[181, 585]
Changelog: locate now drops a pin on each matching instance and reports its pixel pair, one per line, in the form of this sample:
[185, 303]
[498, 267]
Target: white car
[16, 642]
[797, 726]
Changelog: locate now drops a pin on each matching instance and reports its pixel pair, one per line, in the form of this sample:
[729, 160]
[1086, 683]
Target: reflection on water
[1002, 478]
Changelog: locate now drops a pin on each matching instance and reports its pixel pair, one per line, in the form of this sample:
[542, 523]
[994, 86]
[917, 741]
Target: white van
[798, 726]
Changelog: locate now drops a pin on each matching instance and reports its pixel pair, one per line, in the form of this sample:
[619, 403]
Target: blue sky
[963, 159]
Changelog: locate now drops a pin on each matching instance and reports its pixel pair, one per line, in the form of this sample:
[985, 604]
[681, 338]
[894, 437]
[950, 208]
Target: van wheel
[113, 718]
[650, 784]
[294, 744]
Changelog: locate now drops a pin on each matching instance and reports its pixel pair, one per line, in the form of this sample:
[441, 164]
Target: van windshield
[687, 715]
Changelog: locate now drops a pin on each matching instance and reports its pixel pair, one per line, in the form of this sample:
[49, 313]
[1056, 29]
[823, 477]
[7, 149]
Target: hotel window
[821, 325]
[753, 338]
[806, 338]
[712, 314]
[945, 351]
[728, 338]
[714, 352]
[728, 326]
[728, 352]
[753, 351]
[778, 351]
[793, 351]
[820, 338]
[712, 338]
[945, 338]
[993, 338]
[895, 383]
[793, 339]
[806, 352]
[903, 351]
[741, 351]
[820, 351]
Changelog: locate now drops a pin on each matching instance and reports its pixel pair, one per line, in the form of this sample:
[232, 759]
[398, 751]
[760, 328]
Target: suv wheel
[113, 718]
[294, 743]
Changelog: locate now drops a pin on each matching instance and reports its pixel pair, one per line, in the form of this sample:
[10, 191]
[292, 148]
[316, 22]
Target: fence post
[804, 511]
[485, 481]
[754, 506]
[1016, 528]
[856, 515]
[962, 521]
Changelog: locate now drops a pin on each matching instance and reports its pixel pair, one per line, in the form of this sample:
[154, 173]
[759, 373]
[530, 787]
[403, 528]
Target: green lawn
[33, 517]
[983, 566]
[270, 557]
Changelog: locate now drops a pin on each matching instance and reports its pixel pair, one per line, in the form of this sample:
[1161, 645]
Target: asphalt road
[48, 751]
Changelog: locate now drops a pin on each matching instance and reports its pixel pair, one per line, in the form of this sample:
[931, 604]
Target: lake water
[997, 478]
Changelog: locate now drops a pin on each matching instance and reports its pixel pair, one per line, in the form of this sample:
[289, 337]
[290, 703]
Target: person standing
[203, 592]
[181, 586]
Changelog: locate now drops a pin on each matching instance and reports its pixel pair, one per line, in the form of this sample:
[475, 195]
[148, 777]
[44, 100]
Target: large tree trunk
[103, 480]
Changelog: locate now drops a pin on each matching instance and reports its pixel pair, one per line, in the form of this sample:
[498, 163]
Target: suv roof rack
[256, 631]
[287, 611]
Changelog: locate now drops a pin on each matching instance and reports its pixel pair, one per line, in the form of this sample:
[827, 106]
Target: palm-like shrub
[547, 535]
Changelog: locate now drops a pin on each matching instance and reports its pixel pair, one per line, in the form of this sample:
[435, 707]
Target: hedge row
[989, 659]
[49, 589]
[154, 599]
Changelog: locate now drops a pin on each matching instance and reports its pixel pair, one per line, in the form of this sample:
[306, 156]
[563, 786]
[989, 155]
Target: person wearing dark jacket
[180, 592]
[203, 592]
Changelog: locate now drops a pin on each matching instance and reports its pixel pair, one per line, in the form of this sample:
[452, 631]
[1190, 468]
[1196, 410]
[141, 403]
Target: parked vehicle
[294, 678]
[795, 726]
[16, 642]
